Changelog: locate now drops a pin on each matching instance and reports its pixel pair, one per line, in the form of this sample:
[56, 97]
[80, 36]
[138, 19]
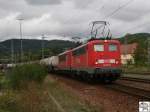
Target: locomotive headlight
[112, 60]
[117, 62]
[96, 62]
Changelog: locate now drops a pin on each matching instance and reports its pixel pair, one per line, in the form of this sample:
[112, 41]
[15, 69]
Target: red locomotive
[97, 59]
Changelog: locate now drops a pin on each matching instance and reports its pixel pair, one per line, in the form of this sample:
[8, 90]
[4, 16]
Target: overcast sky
[67, 18]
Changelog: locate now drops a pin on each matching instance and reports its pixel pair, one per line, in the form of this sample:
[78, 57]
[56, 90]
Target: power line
[118, 9]
[115, 11]
[136, 27]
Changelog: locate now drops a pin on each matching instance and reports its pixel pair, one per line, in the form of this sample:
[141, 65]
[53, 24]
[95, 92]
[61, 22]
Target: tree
[140, 56]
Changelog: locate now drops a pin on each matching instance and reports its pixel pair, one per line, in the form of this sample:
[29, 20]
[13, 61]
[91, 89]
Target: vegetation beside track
[25, 90]
[69, 102]
[145, 70]
[1, 78]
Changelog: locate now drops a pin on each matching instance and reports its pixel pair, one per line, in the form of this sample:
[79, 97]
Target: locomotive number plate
[106, 65]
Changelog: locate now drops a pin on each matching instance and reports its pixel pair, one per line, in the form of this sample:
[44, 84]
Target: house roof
[129, 48]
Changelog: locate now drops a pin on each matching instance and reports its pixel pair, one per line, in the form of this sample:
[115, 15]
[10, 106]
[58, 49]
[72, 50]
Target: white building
[127, 53]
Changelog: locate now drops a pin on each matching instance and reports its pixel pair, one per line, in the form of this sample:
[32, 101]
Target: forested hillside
[32, 48]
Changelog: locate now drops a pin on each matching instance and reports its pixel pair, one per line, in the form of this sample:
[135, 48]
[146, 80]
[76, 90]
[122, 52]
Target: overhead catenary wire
[118, 9]
[136, 27]
[115, 11]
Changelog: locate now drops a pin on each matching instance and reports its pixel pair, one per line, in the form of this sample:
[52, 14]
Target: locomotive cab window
[98, 47]
[112, 47]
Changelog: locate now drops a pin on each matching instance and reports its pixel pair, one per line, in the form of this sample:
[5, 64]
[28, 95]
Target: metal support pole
[126, 47]
[148, 50]
[21, 45]
[125, 43]
[12, 51]
[43, 46]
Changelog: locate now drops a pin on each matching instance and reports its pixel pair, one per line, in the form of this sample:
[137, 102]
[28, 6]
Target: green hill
[140, 38]
[32, 48]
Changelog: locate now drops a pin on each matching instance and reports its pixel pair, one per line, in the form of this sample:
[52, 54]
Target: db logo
[144, 106]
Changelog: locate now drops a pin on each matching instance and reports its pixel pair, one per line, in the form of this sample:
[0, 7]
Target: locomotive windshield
[112, 47]
[98, 47]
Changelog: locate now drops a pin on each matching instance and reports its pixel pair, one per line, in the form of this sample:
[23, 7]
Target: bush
[31, 99]
[21, 75]
[1, 80]
[8, 102]
[34, 99]
[3, 83]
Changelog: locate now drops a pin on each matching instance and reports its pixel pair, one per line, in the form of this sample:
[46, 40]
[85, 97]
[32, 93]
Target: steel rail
[145, 94]
[135, 79]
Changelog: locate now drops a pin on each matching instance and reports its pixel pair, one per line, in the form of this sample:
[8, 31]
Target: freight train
[97, 59]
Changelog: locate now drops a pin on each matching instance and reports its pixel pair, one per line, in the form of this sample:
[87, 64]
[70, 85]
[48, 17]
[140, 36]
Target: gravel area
[100, 96]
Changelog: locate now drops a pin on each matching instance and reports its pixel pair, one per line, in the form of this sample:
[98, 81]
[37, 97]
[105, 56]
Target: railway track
[132, 89]
[135, 79]
[99, 94]
[134, 86]
[145, 94]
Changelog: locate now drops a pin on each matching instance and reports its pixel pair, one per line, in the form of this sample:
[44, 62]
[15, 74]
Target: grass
[1, 78]
[19, 76]
[35, 98]
[1, 72]
[8, 101]
[31, 99]
[69, 102]
[34, 93]
[136, 69]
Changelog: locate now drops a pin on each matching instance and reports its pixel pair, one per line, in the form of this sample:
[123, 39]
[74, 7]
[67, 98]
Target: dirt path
[97, 95]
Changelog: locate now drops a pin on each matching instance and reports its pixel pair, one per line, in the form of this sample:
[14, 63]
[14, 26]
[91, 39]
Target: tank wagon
[51, 62]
